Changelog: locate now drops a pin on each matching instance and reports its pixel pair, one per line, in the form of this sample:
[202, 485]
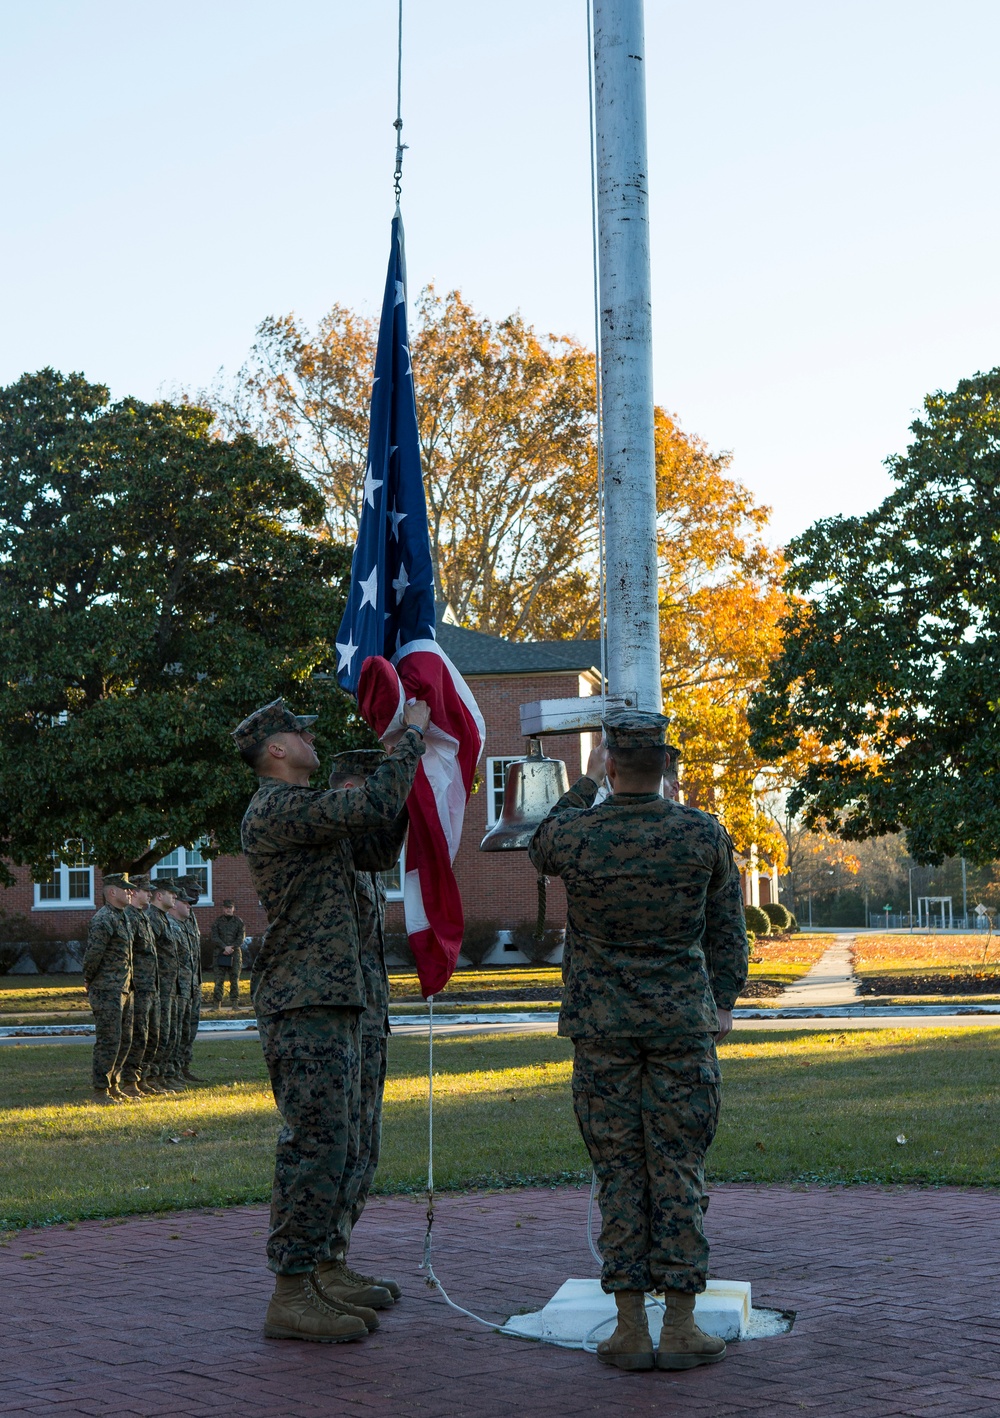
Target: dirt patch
[761, 989]
[972, 984]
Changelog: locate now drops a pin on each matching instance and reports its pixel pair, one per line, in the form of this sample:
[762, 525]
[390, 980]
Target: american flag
[387, 651]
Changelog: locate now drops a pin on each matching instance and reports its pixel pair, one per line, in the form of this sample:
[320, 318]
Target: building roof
[474, 653]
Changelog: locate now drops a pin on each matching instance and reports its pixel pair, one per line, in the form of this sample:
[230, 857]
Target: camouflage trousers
[647, 1110]
[179, 1033]
[163, 1059]
[230, 972]
[313, 1058]
[145, 1036]
[113, 1036]
[189, 1031]
[374, 1055]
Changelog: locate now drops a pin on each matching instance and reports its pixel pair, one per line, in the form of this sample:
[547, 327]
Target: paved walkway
[830, 981]
[895, 1293]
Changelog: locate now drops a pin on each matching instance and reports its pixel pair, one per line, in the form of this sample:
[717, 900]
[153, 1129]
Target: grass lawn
[774, 964]
[797, 1106]
[923, 965]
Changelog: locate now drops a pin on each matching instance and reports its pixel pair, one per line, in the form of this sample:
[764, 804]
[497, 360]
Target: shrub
[398, 946]
[47, 954]
[479, 939]
[794, 923]
[757, 921]
[779, 916]
[10, 954]
[537, 951]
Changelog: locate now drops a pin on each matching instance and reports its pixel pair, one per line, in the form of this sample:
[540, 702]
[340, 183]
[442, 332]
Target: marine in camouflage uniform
[136, 1079]
[350, 770]
[228, 933]
[107, 977]
[168, 955]
[192, 933]
[655, 941]
[303, 847]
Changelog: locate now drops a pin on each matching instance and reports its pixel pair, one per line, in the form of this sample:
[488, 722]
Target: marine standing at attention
[168, 948]
[308, 992]
[107, 978]
[351, 770]
[178, 915]
[655, 957]
[191, 888]
[227, 936]
[136, 1079]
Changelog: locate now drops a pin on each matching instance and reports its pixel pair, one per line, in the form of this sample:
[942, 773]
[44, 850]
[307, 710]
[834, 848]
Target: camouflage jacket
[193, 931]
[655, 936]
[370, 894]
[168, 946]
[227, 930]
[303, 847]
[145, 974]
[185, 973]
[107, 962]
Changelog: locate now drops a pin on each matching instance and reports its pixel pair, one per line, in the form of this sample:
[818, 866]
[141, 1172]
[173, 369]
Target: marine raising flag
[387, 652]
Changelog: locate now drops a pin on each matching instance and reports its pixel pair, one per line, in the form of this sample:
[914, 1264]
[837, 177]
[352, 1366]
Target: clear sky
[825, 202]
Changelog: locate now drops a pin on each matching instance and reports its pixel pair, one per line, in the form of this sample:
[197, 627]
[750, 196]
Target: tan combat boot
[106, 1098]
[297, 1311]
[334, 1297]
[630, 1347]
[682, 1344]
[150, 1087]
[132, 1091]
[341, 1286]
[356, 1278]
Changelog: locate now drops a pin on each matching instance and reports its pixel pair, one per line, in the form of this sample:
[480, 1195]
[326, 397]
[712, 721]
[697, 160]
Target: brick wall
[498, 886]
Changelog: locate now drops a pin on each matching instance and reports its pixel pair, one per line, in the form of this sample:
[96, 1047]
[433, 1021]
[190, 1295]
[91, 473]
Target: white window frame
[60, 873]
[182, 869]
[394, 893]
[494, 794]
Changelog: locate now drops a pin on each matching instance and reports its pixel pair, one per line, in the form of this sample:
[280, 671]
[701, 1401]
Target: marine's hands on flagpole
[417, 714]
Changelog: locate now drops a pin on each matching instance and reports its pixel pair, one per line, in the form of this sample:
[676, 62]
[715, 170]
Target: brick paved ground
[895, 1292]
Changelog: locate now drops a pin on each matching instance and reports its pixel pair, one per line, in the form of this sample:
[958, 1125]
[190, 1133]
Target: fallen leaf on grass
[901, 1138]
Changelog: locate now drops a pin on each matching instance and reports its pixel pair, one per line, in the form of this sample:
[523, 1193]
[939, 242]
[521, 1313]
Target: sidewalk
[895, 1294]
[830, 981]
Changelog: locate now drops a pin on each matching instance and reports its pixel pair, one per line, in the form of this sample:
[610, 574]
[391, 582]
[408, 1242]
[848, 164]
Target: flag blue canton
[391, 597]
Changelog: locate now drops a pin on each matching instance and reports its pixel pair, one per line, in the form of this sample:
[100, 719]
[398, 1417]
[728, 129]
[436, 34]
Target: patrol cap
[141, 882]
[273, 718]
[118, 878]
[166, 883]
[190, 887]
[673, 753]
[631, 728]
[357, 762]
[228, 901]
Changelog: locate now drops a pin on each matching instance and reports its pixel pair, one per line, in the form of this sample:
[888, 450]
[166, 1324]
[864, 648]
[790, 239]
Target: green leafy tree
[156, 584]
[891, 655]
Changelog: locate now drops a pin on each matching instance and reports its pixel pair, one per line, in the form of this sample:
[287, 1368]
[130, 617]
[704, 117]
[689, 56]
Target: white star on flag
[409, 362]
[400, 293]
[395, 517]
[347, 653]
[400, 584]
[369, 589]
[372, 484]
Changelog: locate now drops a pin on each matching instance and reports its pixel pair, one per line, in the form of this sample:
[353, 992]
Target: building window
[392, 880]
[71, 885]
[188, 861]
[496, 777]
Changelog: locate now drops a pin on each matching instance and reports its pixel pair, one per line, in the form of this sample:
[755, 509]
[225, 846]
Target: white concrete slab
[579, 1314]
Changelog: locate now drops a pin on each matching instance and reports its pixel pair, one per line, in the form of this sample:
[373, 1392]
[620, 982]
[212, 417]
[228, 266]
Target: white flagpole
[626, 353]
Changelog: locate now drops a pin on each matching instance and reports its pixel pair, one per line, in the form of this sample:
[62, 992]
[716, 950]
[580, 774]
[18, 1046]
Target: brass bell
[533, 787]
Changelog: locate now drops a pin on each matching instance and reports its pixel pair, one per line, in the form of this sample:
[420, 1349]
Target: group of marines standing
[142, 973]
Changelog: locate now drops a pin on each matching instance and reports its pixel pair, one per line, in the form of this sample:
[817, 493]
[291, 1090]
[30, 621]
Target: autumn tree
[506, 421]
[890, 655]
[156, 584]
[508, 447]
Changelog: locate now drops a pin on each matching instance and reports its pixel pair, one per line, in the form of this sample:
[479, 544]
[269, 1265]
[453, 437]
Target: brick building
[497, 888]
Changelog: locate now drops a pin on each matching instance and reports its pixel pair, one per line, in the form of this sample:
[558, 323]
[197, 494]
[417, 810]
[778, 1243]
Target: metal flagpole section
[626, 353]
